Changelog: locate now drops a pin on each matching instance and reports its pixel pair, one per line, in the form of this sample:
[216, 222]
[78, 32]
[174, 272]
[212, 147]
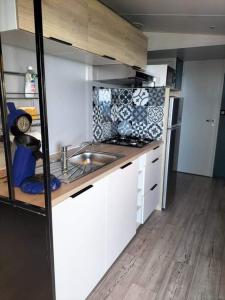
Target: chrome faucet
[82, 147]
[65, 157]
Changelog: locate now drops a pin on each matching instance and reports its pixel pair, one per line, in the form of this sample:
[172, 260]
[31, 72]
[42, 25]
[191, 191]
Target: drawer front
[142, 162]
[152, 174]
[153, 154]
[151, 200]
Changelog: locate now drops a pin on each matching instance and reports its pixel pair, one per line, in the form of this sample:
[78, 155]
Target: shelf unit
[22, 96]
[14, 96]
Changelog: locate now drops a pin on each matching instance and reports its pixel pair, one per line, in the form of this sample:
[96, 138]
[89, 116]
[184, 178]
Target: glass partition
[22, 93]
[3, 173]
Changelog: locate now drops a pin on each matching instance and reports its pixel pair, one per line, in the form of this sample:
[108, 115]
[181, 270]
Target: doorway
[219, 164]
[202, 91]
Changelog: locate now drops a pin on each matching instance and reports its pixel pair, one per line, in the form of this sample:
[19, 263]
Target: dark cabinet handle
[82, 191]
[136, 68]
[155, 160]
[126, 165]
[109, 57]
[60, 41]
[156, 148]
[154, 186]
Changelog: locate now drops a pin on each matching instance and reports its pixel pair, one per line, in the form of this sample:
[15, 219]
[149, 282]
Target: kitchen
[70, 239]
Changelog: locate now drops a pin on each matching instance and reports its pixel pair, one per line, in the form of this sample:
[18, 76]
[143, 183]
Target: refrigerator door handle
[170, 112]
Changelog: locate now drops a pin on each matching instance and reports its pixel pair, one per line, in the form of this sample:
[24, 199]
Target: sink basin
[82, 164]
[93, 159]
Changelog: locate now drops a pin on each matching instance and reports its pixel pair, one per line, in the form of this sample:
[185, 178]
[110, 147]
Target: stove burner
[128, 141]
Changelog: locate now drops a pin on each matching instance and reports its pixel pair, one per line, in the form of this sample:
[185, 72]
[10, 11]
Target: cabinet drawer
[153, 154]
[152, 174]
[151, 200]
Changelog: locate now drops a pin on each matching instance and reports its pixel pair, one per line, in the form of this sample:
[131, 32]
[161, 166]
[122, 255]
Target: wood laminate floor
[179, 253]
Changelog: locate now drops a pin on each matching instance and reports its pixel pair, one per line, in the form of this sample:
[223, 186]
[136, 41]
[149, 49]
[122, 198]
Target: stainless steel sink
[82, 164]
[93, 158]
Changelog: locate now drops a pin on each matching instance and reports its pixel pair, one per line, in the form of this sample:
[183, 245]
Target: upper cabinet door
[135, 47]
[106, 34]
[85, 24]
[63, 20]
[111, 35]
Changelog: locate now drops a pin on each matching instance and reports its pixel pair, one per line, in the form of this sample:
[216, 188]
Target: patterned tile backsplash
[137, 112]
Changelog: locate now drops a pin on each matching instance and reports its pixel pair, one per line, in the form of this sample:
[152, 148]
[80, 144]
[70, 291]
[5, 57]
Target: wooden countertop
[66, 190]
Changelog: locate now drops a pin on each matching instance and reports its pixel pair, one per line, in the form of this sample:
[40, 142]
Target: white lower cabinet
[79, 235]
[149, 183]
[91, 229]
[121, 209]
[150, 202]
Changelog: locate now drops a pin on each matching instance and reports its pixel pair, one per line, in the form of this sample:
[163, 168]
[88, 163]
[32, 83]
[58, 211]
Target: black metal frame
[44, 130]
[47, 211]
[8, 158]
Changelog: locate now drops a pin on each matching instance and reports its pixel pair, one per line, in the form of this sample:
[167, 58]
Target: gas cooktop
[128, 141]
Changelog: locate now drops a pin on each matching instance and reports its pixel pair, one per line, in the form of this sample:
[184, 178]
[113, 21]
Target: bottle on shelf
[30, 83]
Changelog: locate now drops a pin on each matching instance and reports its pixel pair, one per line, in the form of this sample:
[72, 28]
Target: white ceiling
[185, 16]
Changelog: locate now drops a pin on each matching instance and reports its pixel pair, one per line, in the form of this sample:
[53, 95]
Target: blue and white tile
[114, 128]
[155, 114]
[141, 97]
[106, 111]
[138, 129]
[125, 113]
[125, 96]
[97, 132]
[106, 131]
[114, 96]
[140, 114]
[95, 96]
[155, 130]
[114, 113]
[104, 95]
[124, 128]
[157, 96]
[97, 114]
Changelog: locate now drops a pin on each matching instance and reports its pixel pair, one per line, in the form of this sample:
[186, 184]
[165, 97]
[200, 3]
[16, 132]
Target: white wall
[170, 40]
[202, 91]
[68, 94]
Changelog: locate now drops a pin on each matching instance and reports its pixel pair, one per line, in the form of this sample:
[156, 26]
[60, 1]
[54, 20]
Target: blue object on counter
[26, 154]
[24, 164]
[35, 184]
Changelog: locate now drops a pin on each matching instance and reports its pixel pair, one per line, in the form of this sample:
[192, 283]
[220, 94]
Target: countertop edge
[114, 166]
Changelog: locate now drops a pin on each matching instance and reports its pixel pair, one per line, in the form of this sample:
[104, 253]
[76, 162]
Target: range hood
[122, 76]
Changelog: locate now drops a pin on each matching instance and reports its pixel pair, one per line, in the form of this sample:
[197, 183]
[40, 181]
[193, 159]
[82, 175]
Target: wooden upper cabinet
[111, 35]
[86, 24]
[135, 47]
[105, 31]
[63, 20]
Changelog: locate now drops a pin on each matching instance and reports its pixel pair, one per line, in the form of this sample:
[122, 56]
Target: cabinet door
[106, 35]
[135, 47]
[80, 243]
[152, 174]
[150, 201]
[63, 20]
[152, 187]
[121, 210]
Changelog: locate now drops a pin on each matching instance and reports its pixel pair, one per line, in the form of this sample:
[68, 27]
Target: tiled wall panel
[137, 112]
